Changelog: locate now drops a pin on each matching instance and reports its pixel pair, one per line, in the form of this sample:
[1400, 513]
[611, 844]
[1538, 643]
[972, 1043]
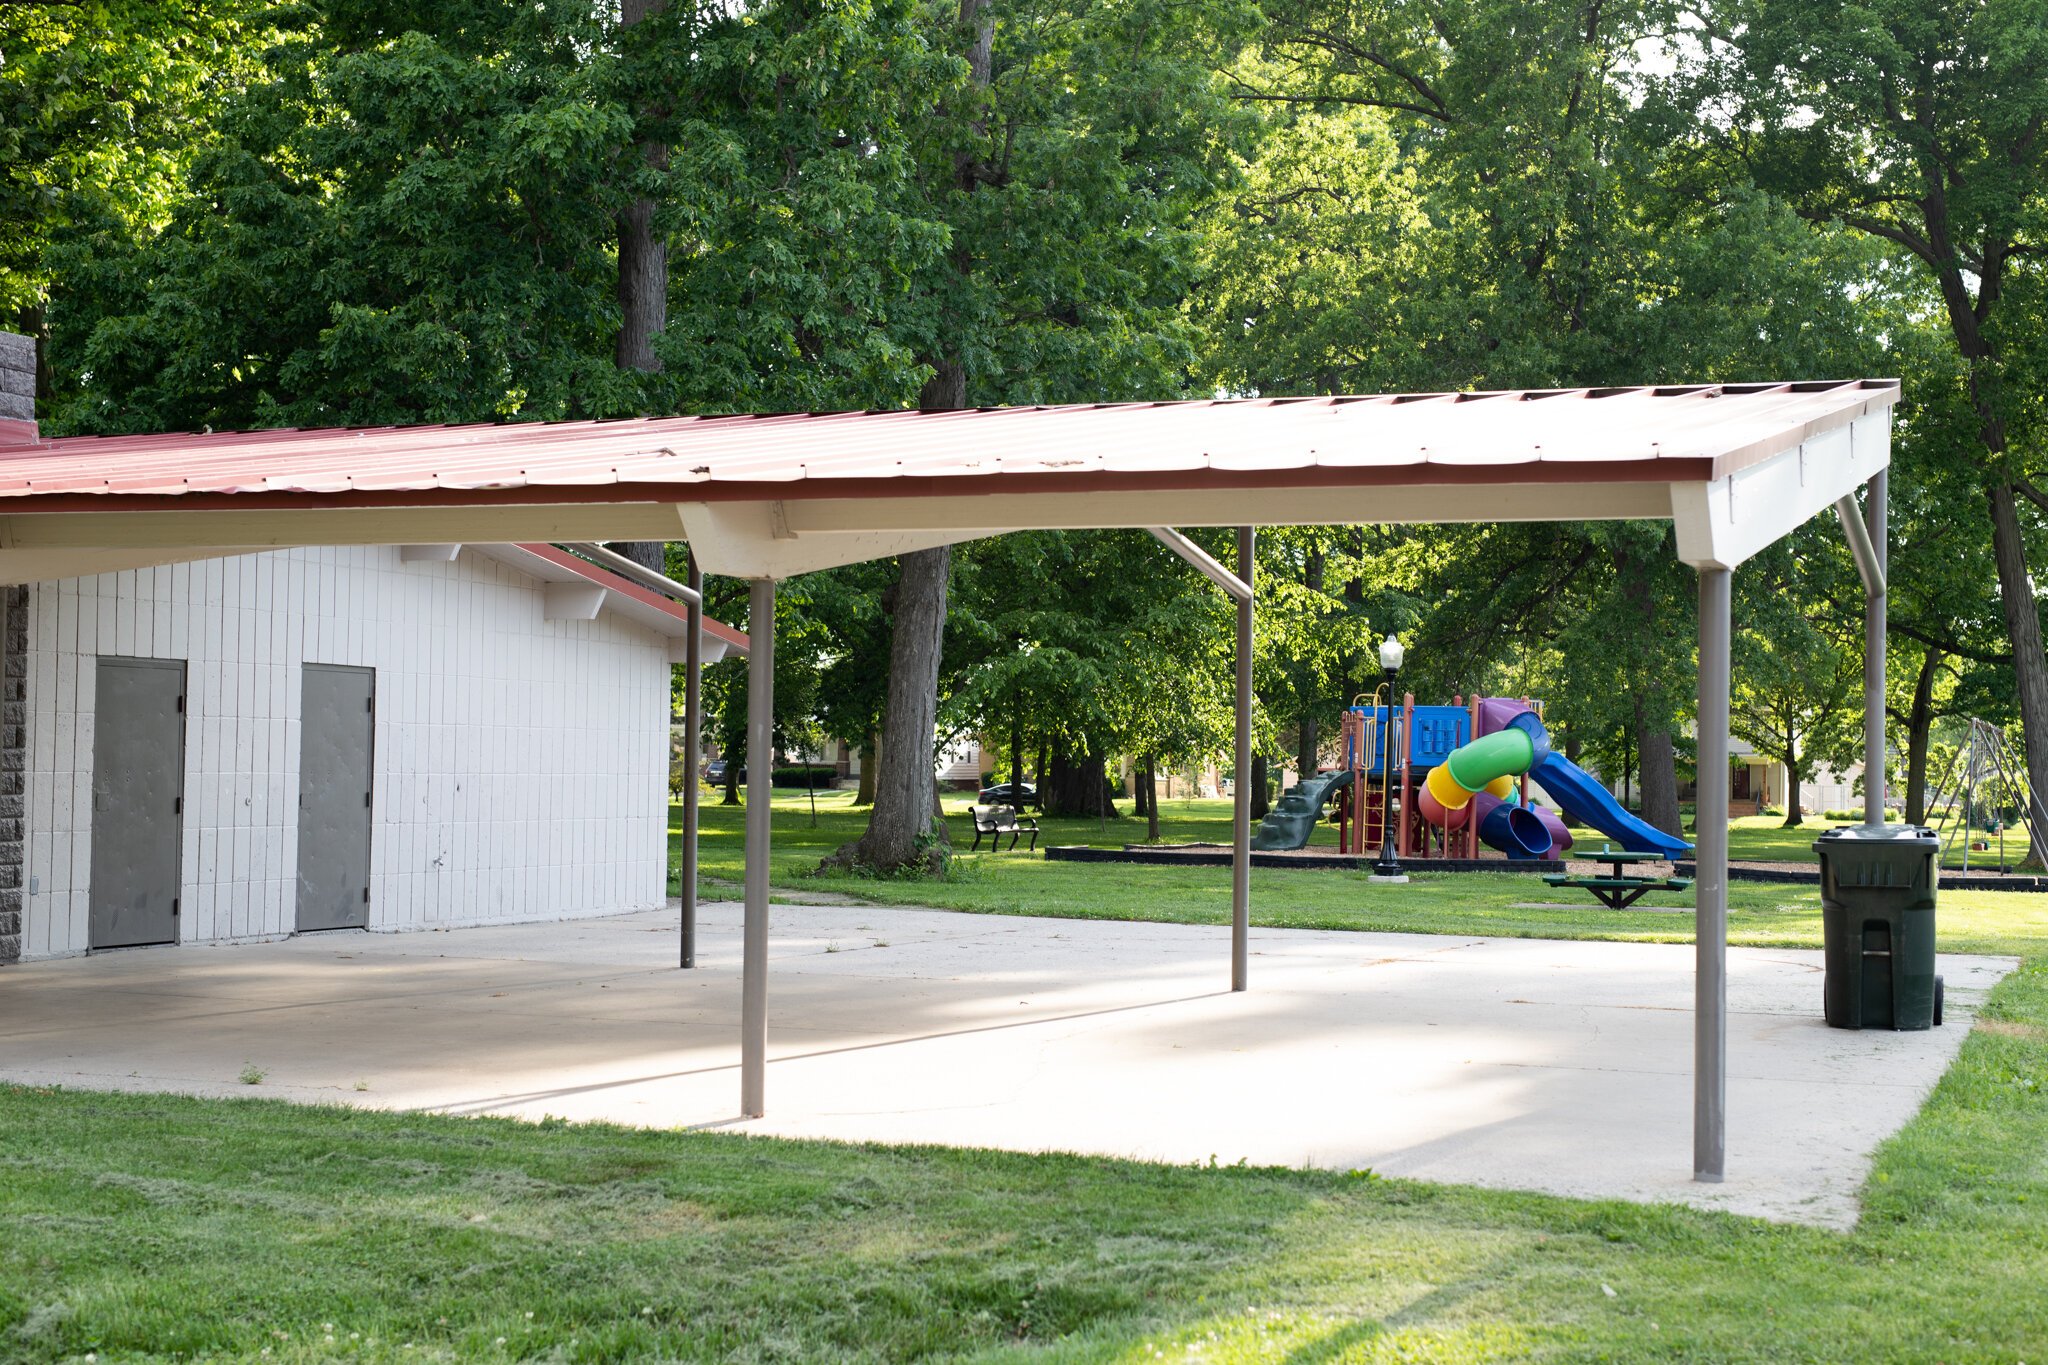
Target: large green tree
[1102, 642]
[104, 105]
[1920, 124]
[1064, 163]
[383, 216]
[413, 212]
[1480, 195]
[1797, 686]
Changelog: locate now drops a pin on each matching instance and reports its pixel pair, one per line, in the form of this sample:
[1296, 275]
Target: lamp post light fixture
[1388, 867]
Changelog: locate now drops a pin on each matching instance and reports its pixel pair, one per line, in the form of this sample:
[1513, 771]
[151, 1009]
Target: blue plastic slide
[1510, 740]
[1580, 796]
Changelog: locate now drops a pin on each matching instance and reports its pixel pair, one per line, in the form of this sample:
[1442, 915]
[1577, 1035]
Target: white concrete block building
[388, 738]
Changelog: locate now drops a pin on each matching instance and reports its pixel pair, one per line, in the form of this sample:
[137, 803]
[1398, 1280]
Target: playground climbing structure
[1453, 778]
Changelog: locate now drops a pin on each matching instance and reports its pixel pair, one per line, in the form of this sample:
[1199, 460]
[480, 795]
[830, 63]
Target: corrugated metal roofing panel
[689, 458]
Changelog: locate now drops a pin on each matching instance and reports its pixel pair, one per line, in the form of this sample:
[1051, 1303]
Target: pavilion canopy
[776, 495]
[1734, 467]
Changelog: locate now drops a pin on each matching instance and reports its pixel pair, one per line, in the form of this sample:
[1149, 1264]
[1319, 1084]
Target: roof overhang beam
[636, 572]
[1868, 566]
[1237, 589]
[760, 540]
[1340, 505]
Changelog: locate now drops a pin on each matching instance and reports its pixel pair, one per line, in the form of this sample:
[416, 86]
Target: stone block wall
[17, 378]
[13, 762]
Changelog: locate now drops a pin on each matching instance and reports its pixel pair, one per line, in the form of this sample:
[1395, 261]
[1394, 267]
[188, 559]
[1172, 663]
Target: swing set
[1984, 789]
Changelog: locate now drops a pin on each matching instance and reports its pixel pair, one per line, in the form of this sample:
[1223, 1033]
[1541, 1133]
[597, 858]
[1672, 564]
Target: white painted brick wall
[521, 764]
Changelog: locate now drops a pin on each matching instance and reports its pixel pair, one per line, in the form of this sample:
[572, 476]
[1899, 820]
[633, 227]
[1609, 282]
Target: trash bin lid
[1891, 834]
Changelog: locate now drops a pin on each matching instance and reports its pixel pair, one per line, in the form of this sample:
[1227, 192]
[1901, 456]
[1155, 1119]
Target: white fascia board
[1724, 522]
[572, 601]
[755, 540]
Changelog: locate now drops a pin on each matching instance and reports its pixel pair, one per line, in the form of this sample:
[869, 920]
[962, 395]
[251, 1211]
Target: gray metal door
[138, 786]
[337, 715]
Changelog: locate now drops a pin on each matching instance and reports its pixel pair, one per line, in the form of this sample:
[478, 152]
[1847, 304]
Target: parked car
[714, 771]
[1018, 794]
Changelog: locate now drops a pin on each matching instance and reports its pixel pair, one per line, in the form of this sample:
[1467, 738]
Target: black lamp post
[1388, 868]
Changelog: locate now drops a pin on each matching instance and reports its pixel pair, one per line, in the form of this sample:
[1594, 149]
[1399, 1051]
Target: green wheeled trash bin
[1877, 885]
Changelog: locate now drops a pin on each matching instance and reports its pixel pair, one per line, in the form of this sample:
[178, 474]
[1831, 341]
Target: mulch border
[1218, 855]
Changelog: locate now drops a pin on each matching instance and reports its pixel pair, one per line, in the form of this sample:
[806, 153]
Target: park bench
[996, 821]
[1619, 892]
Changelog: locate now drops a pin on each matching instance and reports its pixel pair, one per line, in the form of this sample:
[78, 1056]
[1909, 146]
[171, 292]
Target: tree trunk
[643, 287]
[1628, 766]
[648, 554]
[1306, 758]
[1261, 801]
[1076, 785]
[1151, 799]
[732, 778]
[1794, 817]
[643, 252]
[1656, 762]
[1573, 747]
[1659, 764]
[2029, 664]
[1016, 745]
[865, 795]
[1919, 726]
[903, 828]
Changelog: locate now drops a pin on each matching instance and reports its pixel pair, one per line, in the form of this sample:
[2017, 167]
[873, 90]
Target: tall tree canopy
[1919, 124]
[218, 214]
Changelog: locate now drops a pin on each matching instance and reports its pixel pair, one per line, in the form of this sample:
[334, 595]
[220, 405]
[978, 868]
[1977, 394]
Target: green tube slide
[1504, 753]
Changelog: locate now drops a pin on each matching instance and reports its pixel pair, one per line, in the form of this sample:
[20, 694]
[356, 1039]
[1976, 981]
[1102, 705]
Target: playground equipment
[1512, 743]
[1294, 816]
[1458, 776]
[1984, 788]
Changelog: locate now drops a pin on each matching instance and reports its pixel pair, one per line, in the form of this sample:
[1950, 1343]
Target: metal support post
[760, 786]
[1241, 788]
[1876, 513]
[1710, 972]
[693, 743]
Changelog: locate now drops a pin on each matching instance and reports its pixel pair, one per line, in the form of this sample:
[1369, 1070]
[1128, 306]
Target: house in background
[1757, 782]
[384, 738]
[963, 764]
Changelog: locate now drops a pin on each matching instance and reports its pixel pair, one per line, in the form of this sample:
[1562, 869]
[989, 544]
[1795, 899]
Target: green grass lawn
[150, 1228]
[1764, 838]
[1018, 883]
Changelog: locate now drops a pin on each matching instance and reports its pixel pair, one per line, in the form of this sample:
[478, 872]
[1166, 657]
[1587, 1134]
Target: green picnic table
[1620, 888]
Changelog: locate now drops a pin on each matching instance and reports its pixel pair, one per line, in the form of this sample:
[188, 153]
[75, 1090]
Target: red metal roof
[1581, 435]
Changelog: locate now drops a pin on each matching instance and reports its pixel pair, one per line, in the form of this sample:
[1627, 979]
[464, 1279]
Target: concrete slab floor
[1531, 1064]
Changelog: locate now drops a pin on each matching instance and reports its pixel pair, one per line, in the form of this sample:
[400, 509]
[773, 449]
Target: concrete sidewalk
[1516, 1063]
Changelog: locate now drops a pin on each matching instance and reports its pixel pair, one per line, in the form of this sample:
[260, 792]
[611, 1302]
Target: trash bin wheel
[1937, 1002]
